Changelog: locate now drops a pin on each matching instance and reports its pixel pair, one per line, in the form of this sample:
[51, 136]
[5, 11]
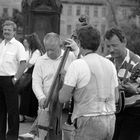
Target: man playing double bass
[44, 73]
[127, 64]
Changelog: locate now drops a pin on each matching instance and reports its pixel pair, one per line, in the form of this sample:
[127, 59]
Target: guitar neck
[132, 101]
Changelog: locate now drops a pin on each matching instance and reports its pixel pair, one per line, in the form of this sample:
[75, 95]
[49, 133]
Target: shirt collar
[127, 58]
[11, 41]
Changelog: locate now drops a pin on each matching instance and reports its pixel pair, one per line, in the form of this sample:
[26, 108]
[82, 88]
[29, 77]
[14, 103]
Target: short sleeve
[21, 53]
[71, 76]
[34, 57]
[78, 74]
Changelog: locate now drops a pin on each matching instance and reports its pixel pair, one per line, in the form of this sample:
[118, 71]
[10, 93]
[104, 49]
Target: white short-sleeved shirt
[11, 54]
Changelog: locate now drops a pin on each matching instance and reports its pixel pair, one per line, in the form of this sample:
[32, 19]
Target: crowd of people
[95, 83]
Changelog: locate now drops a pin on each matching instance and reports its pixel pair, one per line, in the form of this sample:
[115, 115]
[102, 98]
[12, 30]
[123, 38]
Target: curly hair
[89, 37]
[115, 31]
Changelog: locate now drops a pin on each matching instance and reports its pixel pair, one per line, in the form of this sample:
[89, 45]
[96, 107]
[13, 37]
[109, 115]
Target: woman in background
[28, 101]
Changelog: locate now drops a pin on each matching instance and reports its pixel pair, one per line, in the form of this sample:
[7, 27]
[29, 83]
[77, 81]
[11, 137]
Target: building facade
[98, 11]
[7, 7]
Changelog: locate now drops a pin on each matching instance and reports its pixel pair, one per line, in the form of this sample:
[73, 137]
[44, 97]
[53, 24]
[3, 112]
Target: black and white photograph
[69, 69]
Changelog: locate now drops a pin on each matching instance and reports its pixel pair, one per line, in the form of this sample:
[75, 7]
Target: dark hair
[83, 19]
[89, 37]
[115, 31]
[34, 42]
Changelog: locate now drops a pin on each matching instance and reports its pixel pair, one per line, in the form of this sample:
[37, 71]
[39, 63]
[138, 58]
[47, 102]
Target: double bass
[55, 108]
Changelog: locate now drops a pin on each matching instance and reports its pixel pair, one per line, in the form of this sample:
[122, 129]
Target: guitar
[133, 100]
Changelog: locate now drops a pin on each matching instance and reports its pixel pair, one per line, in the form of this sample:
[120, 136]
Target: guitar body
[127, 99]
[132, 101]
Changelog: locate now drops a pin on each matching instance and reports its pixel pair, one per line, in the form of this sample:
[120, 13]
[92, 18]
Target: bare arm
[20, 70]
[116, 95]
[65, 93]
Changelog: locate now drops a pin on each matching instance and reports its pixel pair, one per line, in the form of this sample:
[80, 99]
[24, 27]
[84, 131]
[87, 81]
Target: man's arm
[73, 45]
[116, 95]
[65, 93]
[21, 55]
[20, 71]
[37, 84]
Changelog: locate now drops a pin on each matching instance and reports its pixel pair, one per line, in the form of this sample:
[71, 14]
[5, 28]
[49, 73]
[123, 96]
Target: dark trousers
[29, 102]
[8, 109]
[128, 125]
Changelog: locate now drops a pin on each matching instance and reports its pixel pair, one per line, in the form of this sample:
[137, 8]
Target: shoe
[26, 136]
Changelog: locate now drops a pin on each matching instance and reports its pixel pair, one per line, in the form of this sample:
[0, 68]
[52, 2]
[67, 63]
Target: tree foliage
[132, 32]
[18, 18]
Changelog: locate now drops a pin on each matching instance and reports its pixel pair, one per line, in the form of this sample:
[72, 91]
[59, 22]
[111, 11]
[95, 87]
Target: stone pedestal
[41, 16]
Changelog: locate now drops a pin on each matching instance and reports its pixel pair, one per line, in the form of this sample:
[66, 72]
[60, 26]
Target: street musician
[127, 64]
[92, 89]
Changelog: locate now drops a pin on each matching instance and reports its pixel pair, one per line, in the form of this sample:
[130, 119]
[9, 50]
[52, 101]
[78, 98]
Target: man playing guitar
[127, 64]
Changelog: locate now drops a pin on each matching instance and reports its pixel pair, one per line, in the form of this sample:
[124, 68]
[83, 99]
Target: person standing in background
[28, 101]
[12, 63]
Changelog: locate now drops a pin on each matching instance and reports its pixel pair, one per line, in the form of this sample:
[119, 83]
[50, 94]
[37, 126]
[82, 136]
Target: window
[78, 10]
[87, 10]
[95, 24]
[103, 11]
[69, 10]
[124, 12]
[103, 27]
[95, 12]
[69, 29]
[5, 12]
[62, 30]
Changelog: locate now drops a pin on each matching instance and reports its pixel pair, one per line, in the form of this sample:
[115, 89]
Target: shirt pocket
[9, 57]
